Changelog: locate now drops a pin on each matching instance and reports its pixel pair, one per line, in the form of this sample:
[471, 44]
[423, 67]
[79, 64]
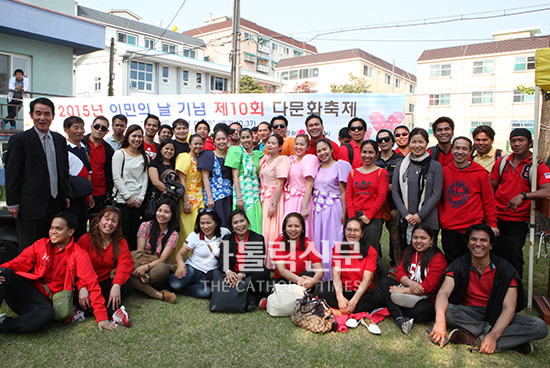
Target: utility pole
[235, 52]
[393, 77]
[110, 90]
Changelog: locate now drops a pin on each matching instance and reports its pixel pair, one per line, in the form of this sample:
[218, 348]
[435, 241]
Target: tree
[305, 87]
[249, 85]
[356, 85]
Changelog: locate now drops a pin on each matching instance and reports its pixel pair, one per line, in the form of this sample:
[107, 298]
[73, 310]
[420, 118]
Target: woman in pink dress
[299, 184]
[273, 174]
[329, 198]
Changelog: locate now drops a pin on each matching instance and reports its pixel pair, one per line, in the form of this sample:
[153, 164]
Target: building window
[248, 37]
[249, 57]
[387, 79]
[275, 46]
[149, 43]
[397, 83]
[165, 74]
[169, 48]
[284, 75]
[185, 79]
[522, 97]
[475, 124]
[189, 53]
[484, 67]
[308, 73]
[141, 76]
[293, 74]
[440, 100]
[218, 84]
[126, 38]
[97, 84]
[298, 53]
[199, 80]
[485, 97]
[527, 124]
[367, 70]
[287, 50]
[411, 107]
[524, 63]
[412, 89]
[441, 70]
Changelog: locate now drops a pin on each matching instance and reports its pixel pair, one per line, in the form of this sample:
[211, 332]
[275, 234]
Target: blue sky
[303, 19]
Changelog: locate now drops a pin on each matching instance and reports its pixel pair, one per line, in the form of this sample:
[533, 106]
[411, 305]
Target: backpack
[502, 166]
[350, 153]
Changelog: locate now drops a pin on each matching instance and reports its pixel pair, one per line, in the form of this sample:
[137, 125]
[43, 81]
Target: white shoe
[352, 323]
[371, 326]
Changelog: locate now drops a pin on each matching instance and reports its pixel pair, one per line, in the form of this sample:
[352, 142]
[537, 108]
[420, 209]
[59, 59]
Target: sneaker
[405, 323]
[526, 348]
[460, 337]
[13, 128]
[120, 317]
[392, 271]
[78, 315]
[406, 300]
[263, 304]
[3, 317]
[3, 124]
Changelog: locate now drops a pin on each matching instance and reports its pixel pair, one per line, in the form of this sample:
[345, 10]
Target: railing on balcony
[262, 68]
[264, 49]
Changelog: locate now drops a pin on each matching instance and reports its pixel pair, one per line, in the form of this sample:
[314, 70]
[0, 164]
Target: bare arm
[237, 186]
[489, 342]
[307, 196]
[441, 304]
[367, 279]
[154, 176]
[343, 200]
[206, 183]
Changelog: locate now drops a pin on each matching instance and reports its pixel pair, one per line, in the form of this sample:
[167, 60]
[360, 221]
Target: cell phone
[358, 213]
[429, 331]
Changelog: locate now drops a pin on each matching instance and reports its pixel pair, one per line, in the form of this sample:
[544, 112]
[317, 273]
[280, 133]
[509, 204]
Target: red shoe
[263, 304]
[78, 315]
[121, 317]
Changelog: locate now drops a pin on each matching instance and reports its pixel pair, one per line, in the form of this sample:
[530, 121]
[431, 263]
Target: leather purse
[314, 315]
[225, 299]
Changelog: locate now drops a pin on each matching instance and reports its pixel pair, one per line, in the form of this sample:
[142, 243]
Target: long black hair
[173, 225]
[214, 215]
[159, 157]
[363, 244]
[302, 245]
[141, 149]
[428, 254]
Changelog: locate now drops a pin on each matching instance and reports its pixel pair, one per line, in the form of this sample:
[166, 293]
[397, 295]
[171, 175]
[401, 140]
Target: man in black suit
[37, 175]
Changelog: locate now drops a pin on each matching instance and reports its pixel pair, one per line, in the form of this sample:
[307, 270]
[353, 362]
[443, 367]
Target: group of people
[257, 201]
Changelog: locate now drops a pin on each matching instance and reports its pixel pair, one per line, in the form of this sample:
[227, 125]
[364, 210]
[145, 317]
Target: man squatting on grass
[53, 261]
[480, 296]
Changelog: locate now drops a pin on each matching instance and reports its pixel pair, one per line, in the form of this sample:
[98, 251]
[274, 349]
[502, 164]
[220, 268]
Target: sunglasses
[404, 134]
[359, 128]
[383, 139]
[103, 128]
[279, 126]
[206, 210]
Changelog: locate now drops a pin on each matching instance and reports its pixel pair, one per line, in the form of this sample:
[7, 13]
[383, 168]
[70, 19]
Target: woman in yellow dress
[192, 201]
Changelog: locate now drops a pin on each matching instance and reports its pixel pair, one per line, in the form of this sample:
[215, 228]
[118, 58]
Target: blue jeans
[192, 284]
[521, 330]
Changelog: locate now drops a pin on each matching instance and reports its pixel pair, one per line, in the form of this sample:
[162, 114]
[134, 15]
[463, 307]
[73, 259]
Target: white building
[335, 68]
[478, 84]
[149, 60]
[261, 48]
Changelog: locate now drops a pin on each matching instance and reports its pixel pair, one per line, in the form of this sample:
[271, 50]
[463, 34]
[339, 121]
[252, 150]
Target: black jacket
[229, 247]
[505, 272]
[109, 152]
[389, 165]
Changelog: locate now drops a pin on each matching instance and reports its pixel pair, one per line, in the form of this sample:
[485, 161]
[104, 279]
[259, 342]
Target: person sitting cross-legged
[480, 296]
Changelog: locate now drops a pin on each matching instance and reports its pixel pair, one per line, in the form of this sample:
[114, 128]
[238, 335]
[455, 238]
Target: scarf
[424, 162]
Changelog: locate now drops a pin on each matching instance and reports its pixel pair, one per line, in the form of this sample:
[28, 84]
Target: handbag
[283, 299]
[111, 201]
[225, 299]
[151, 207]
[62, 303]
[141, 257]
[314, 315]
[173, 187]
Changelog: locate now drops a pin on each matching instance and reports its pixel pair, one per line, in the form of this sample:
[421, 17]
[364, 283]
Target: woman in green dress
[245, 164]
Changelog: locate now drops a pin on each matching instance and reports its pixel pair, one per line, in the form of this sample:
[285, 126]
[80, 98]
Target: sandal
[168, 296]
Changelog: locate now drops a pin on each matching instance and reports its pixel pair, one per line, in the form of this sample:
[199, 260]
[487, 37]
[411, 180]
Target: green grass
[187, 334]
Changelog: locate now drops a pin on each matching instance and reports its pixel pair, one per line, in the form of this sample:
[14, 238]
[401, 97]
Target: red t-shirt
[367, 192]
[55, 276]
[344, 154]
[513, 182]
[240, 261]
[97, 162]
[296, 260]
[150, 150]
[352, 267]
[398, 151]
[480, 286]
[209, 145]
[335, 149]
[444, 158]
[434, 271]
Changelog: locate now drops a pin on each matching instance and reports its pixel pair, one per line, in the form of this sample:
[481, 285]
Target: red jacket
[208, 145]
[34, 262]
[335, 149]
[434, 271]
[367, 192]
[467, 198]
[105, 262]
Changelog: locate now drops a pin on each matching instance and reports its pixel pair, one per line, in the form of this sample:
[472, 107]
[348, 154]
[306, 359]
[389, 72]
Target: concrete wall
[51, 65]
[62, 6]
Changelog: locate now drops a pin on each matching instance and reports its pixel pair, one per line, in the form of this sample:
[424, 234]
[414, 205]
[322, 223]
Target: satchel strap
[202, 237]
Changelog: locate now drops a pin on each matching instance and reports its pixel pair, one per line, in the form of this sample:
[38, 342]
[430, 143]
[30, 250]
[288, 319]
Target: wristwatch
[524, 196]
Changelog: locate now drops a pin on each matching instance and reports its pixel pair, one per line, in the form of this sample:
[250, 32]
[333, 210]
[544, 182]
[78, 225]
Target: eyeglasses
[279, 126]
[103, 128]
[404, 134]
[206, 210]
[359, 128]
[353, 231]
[383, 139]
